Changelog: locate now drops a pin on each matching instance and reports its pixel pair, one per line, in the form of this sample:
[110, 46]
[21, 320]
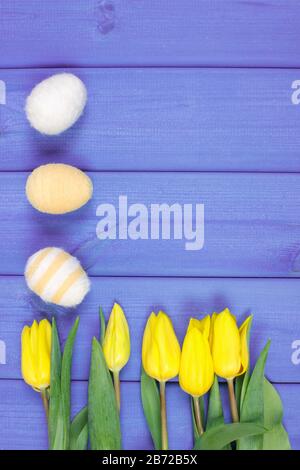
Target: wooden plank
[275, 304]
[208, 120]
[23, 421]
[114, 32]
[251, 225]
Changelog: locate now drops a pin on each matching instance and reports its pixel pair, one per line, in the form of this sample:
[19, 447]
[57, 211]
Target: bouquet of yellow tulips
[48, 372]
[213, 347]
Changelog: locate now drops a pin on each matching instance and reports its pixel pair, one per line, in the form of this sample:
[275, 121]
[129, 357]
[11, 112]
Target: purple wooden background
[189, 102]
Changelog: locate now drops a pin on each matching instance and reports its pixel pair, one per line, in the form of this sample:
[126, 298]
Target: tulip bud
[202, 325]
[116, 344]
[161, 350]
[229, 345]
[196, 372]
[36, 352]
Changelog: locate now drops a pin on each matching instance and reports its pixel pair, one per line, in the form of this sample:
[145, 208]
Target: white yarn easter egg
[57, 277]
[57, 188]
[56, 103]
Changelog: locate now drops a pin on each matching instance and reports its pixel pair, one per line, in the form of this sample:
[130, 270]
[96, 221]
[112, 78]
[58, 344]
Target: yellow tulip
[161, 359]
[161, 350]
[36, 351]
[196, 374]
[229, 345]
[202, 325]
[116, 344]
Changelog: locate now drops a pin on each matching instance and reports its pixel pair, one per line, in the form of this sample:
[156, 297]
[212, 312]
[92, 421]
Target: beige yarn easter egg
[57, 277]
[57, 188]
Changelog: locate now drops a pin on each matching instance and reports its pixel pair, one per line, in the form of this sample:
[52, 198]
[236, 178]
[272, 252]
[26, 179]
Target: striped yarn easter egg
[57, 277]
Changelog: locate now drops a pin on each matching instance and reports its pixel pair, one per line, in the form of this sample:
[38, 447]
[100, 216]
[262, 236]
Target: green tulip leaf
[215, 416]
[277, 438]
[66, 366]
[103, 415]
[238, 389]
[102, 325]
[252, 409]
[79, 431]
[273, 411]
[151, 406]
[221, 436]
[60, 384]
[56, 425]
[241, 382]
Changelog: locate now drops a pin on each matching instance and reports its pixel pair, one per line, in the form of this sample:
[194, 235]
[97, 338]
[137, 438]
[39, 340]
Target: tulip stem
[232, 400]
[45, 401]
[198, 416]
[117, 388]
[163, 414]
